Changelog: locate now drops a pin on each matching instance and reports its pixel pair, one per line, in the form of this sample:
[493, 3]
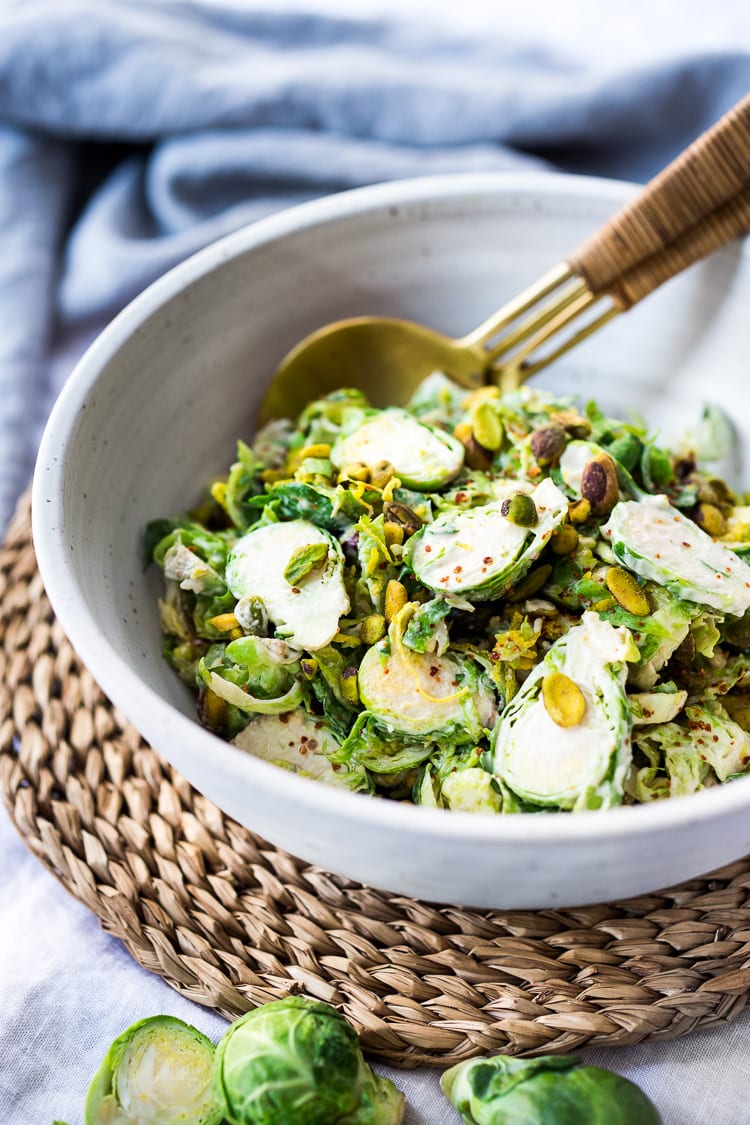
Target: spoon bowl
[385, 357]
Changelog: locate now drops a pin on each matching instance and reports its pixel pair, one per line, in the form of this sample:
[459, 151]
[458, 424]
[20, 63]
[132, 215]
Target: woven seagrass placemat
[231, 922]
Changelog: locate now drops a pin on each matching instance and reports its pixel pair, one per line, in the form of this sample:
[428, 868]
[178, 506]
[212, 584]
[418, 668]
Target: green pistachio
[548, 443]
[599, 484]
[487, 427]
[305, 560]
[372, 629]
[709, 517]
[520, 509]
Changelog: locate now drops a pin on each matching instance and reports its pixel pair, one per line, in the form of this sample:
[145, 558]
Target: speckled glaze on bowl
[155, 407]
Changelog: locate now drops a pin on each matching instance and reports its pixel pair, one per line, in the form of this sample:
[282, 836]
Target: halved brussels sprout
[655, 540]
[416, 693]
[158, 1072]
[577, 766]
[298, 1062]
[422, 456]
[307, 613]
[480, 553]
[303, 744]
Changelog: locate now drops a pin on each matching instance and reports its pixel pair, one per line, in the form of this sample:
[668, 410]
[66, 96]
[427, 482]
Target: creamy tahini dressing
[551, 762]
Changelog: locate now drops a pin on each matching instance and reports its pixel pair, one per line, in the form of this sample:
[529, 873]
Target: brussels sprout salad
[490, 603]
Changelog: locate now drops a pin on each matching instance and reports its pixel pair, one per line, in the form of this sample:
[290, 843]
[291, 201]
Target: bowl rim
[133, 695]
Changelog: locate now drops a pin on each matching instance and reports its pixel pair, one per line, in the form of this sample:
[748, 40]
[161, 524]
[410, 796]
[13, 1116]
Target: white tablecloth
[66, 988]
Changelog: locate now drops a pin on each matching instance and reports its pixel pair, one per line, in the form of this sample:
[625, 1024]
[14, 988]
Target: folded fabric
[131, 134]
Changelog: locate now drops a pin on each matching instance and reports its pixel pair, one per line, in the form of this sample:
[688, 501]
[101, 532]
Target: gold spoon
[696, 204]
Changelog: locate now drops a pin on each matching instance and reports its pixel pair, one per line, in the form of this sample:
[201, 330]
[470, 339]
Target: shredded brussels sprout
[483, 603]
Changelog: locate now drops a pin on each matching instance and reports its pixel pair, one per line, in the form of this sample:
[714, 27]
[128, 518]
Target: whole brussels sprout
[158, 1072]
[549, 1090]
[298, 1061]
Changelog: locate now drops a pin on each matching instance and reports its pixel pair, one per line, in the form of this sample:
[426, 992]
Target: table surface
[67, 989]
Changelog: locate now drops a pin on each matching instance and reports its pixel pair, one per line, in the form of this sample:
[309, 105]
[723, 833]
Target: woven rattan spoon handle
[714, 230]
[700, 181]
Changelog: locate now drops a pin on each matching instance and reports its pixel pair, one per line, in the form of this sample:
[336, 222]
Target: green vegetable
[422, 456]
[656, 541]
[423, 694]
[298, 1062]
[549, 1090]
[577, 766]
[158, 1072]
[376, 562]
[254, 674]
[304, 745]
[455, 778]
[332, 509]
[481, 553]
[657, 635]
[427, 631]
[307, 615]
[366, 573]
[658, 706]
[371, 747]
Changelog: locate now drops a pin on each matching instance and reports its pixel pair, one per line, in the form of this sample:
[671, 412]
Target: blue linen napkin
[131, 134]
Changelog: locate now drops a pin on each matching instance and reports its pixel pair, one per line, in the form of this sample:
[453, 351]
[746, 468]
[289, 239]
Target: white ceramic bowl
[155, 407]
